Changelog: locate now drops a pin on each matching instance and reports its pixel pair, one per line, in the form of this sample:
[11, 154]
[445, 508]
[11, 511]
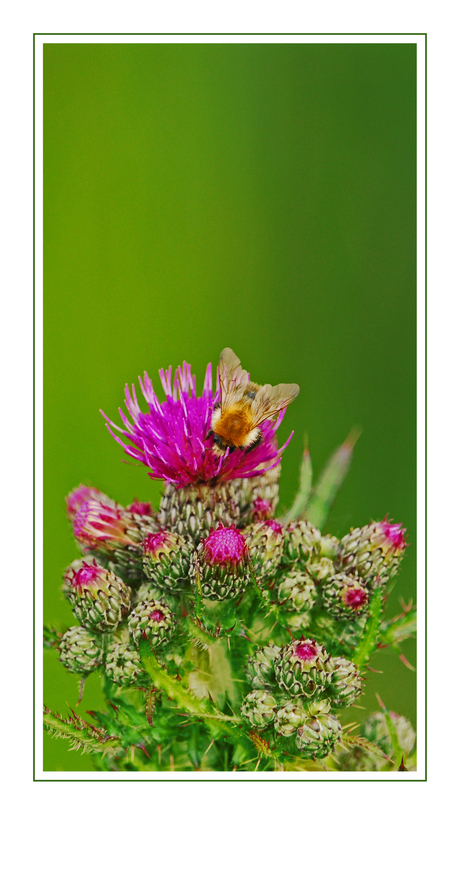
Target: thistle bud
[84, 494]
[321, 568]
[80, 651]
[375, 728]
[223, 561]
[289, 718]
[303, 667]
[329, 547]
[260, 667]
[375, 551]
[166, 560]
[265, 543]
[100, 600]
[152, 620]
[318, 735]
[146, 592]
[302, 542]
[262, 509]
[113, 533]
[297, 592]
[346, 684]
[299, 622]
[259, 708]
[123, 665]
[345, 596]
[193, 511]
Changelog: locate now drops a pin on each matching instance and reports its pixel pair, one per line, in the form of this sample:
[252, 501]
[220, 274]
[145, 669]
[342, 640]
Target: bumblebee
[244, 405]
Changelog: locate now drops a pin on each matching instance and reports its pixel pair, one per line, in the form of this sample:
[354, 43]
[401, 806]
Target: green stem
[369, 639]
[176, 691]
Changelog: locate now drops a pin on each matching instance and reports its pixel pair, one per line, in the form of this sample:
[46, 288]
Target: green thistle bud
[166, 560]
[297, 592]
[146, 592]
[303, 668]
[346, 683]
[260, 667]
[259, 708]
[123, 665]
[80, 651]
[302, 542]
[299, 623]
[329, 547]
[374, 551]
[100, 600]
[321, 568]
[151, 620]
[265, 543]
[318, 735]
[223, 564]
[345, 596]
[289, 718]
[375, 729]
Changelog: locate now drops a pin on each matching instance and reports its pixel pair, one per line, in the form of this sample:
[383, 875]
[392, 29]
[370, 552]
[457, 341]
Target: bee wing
[270, 399]
[233, 379]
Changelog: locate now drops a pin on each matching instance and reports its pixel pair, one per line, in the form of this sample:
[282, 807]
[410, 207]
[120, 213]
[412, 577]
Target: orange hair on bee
[235, 425]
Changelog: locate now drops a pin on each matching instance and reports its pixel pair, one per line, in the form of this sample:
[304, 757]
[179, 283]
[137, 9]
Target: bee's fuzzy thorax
[235, 426]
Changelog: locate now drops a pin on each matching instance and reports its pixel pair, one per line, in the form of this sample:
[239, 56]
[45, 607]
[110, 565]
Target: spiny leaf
[52, 637]
[330, 480]
[369, 639]
[301, 500]
[356, 740]
[400, 628]
[81, 734]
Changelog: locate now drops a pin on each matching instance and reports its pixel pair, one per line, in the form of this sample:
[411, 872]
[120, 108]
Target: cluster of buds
[294, 689]
[214, 551]
[102, 602]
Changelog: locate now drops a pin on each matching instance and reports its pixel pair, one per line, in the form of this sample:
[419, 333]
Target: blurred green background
[256, 196]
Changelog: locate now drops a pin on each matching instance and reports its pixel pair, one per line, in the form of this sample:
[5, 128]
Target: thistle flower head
[171, 438]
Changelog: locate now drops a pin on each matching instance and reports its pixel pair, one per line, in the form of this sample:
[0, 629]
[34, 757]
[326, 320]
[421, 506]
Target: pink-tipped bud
[261, 508]
[225, 546]
[223, 563]
[101, 527]
[373, 551]
[99, 598]
[143, 508]
[84, 494]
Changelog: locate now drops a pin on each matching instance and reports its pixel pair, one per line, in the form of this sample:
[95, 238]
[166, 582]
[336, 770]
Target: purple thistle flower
[171, 438]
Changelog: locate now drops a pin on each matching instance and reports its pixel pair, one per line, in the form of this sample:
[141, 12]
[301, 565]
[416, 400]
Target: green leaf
[369, 639]
[330, 480]
[301, 500]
